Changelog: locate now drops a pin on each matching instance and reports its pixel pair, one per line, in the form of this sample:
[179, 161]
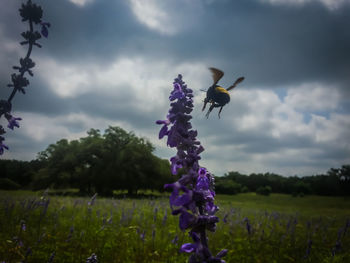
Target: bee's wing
[217, 74]
[239, 80]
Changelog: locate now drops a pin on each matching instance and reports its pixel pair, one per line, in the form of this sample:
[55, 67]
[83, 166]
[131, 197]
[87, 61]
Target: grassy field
[277, 228]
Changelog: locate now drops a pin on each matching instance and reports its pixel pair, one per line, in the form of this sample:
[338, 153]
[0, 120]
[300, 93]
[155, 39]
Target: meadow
[38, 227]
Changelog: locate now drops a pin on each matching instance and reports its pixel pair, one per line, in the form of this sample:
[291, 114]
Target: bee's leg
[212, 106]
[220, 111]
[205, 104]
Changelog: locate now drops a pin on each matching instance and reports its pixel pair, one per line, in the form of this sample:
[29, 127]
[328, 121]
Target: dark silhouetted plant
[33, 14]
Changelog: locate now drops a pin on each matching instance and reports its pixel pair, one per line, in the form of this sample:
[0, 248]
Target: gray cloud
[282, 50]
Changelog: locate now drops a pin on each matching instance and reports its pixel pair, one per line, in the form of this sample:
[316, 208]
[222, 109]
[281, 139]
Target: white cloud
[151, 14]
[331, 4]
[146, 81]
[9, 49]
[167, 16]
[66, 80]
[313, 97]
[41, 128]
[81, 3]
[332, 130]
[273, 133]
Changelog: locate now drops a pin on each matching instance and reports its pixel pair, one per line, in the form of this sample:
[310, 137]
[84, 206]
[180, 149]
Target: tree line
[336, 182]
[119, 160]
[114, 160]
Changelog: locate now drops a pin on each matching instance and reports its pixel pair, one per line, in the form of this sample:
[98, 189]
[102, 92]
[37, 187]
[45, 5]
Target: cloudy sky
[112, 62]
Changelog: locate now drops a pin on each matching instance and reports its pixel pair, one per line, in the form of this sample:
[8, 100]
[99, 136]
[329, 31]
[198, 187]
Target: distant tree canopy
[119, 160]
[116, 160]
[17, 173]
[335, 182]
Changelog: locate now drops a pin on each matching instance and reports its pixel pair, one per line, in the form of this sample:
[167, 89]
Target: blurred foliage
[264, 190]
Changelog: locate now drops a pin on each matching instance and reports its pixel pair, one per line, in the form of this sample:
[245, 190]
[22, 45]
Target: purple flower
[191, 247]
[13, 122]
[92, 259]
[2, 147]
[164, 130]
[176, 164]
[248, 225]
[92, 200]
[308, 249]
[193, 194]
[177, 93]
[202, 180]
[44, 28]
[165, 217]
[142, 236]
[23, 226]
[176, 238]
[52, 256]
[186, 219]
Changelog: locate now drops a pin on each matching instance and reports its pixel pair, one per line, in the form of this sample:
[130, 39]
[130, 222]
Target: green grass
[281, 226]
[307, 205]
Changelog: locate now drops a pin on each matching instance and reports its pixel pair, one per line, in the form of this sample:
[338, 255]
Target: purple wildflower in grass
[155, 213]
[225, 218]
[153, 234]
[142, 235]
[308, 225]
[165, 218]
[336, 248]
[308, 248]
[176, 238]
[92, 200]
[193, 194]
[23, 225]
[347, 226]
[28, 253]
[288, 224]
[248, 225]
[71, 230]
[92, 259]
[338, 244]
[51, 258]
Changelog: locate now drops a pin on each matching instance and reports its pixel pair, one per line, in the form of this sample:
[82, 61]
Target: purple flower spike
[193, 194]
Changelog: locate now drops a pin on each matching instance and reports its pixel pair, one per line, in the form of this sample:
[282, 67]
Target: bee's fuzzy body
[218, 95]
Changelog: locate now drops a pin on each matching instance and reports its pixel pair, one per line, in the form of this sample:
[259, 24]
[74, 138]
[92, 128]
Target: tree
[116, 160]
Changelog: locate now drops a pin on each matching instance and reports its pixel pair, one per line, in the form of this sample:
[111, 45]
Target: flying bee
[217, 96]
